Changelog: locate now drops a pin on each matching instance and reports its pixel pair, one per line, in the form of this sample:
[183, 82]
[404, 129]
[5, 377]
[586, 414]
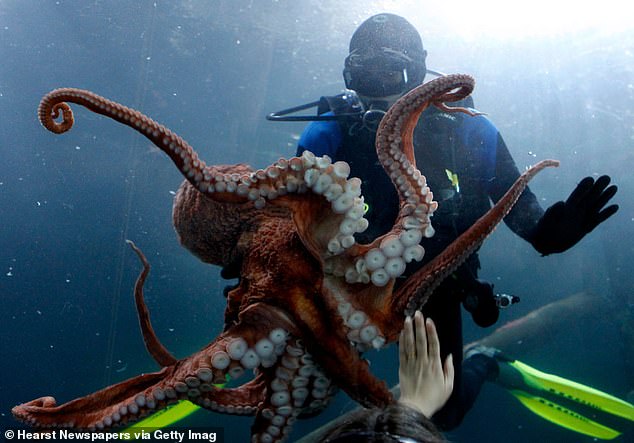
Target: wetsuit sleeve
[524, 216]
[321, 138]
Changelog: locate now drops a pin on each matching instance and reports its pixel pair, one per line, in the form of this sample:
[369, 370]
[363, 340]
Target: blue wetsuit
[470, 147]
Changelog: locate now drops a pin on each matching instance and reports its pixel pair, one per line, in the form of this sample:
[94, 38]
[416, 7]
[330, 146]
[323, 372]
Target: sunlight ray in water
[514, 20]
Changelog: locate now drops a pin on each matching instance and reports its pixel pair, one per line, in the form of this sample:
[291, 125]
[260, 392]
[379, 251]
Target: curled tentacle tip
[50, 111]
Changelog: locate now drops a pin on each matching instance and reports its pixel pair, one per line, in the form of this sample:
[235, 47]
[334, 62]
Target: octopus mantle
[310, 298]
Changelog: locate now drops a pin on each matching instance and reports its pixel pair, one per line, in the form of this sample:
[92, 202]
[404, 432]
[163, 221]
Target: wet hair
[397, 423]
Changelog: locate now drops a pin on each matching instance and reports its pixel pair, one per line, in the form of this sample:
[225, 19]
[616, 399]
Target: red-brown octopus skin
[310, 299]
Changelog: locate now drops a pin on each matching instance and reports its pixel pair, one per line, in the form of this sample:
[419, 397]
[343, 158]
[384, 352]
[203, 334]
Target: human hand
[565, 223]
[425, 384]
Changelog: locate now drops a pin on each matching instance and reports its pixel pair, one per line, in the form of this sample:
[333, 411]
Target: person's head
[386, 58]
[396, 423]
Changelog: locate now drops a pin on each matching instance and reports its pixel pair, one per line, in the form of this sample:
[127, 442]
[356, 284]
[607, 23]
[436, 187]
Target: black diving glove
[480, 301]
[565, 223]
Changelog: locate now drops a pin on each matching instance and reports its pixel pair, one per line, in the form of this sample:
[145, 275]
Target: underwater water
[211, 71]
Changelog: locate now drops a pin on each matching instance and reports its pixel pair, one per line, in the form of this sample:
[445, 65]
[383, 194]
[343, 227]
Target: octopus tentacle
[386, 257]
[113, 405]
[296, 386]
[326, 223]
[320, 386]
[401, 119]
[238, 184]
[286, 394]
[241, 400]
[292, 175]
[153, 345]
[191, 379]
[181, 153]
[358, 313]
[343, 363]
[414, 293]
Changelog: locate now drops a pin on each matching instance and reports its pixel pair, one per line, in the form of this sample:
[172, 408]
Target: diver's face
[376, 81]
[378, 87]
[377, 72]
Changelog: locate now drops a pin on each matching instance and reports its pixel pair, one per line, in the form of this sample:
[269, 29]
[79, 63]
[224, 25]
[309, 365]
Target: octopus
[310, 299]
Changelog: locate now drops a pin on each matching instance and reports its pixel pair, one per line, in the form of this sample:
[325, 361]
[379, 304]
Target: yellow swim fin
[564, 417]
[165, 417]
[574, 391]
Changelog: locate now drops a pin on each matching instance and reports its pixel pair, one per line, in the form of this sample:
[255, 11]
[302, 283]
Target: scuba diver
[467, 165]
